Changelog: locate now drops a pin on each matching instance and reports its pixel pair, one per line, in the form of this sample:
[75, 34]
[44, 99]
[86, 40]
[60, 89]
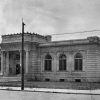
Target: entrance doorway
[18, 69]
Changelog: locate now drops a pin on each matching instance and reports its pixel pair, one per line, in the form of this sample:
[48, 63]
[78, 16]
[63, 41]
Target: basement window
[61, 80]
[47, 79]
[77, 80]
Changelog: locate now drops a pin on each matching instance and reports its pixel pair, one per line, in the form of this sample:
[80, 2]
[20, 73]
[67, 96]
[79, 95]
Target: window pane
[80, 64]
[62, 56]
[62, 64]
[48, 57]
[76, 64]
[47, 65]
[78, 55]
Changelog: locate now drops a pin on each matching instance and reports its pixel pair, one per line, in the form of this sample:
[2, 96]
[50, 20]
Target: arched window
[78, 60]
[48, 63]
[62, 62]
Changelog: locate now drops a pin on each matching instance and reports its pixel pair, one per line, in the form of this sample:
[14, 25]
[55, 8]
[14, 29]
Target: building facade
[46, 60]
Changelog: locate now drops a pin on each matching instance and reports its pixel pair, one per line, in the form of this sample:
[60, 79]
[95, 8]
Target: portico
[11, 62]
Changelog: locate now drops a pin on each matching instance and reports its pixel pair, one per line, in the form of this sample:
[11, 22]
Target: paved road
[25, 95]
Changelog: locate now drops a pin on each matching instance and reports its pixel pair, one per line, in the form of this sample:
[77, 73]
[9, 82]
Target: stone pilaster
[20, 58]
[2, 61]
[54, 63]
[70, 62]
[20, 61]
[7, 63]
[27, 61]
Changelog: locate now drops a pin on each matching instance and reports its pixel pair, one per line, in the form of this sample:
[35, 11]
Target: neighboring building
[46, 60]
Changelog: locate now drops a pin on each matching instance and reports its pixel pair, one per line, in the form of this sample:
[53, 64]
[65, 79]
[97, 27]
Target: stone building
[46, 60]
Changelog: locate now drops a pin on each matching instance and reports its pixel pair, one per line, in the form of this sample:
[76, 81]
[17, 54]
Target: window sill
[78, 71]
[46, 71]
[62, 71]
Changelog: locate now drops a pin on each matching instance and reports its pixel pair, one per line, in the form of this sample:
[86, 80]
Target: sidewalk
[63, 91]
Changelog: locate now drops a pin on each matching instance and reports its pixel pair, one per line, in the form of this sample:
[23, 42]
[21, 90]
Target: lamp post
[22, 63]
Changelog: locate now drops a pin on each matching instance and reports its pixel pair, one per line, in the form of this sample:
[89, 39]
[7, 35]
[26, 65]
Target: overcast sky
[49, 16]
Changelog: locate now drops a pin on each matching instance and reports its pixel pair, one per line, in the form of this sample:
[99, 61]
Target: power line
[75, 32]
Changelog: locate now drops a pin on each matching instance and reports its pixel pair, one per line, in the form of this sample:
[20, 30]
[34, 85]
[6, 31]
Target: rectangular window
[61, 80]
[77, 80]
[47, 79]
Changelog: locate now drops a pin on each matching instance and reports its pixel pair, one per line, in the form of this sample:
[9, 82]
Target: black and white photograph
[49, 49]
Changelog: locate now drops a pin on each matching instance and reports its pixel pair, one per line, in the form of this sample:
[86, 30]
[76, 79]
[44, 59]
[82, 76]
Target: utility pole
[22, 63]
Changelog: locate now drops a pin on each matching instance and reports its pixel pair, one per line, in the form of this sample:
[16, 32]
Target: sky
[50, 17]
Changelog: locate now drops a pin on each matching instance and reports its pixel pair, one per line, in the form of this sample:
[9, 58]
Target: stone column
[20, 61]
[57, 61]
[27, 61]
[7, 63]
[2, 61]
[20, 58]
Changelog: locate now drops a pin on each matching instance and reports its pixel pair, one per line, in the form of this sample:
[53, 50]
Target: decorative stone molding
[30, 37]
[94, 39]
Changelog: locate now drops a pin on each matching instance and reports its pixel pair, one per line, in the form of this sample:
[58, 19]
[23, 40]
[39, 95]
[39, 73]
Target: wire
[76, 32]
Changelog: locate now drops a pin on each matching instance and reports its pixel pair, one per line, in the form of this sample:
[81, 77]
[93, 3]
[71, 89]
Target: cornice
[89, 40]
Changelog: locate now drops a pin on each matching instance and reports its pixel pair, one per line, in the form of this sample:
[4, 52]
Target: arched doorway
[18, 69]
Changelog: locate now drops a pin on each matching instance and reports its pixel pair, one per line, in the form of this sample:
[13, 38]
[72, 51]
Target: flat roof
[89, 40]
